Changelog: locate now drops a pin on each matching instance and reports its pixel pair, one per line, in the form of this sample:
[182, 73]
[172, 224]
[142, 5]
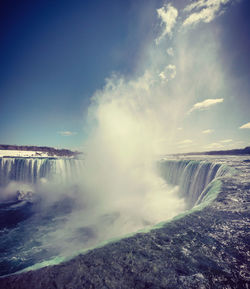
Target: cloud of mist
[121, 153]
[133, 120]
[9, 192]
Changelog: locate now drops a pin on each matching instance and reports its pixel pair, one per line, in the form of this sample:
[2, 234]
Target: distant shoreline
[244, 151]
[44, 151]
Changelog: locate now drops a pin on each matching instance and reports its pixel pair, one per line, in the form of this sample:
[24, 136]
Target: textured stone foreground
[205, 249]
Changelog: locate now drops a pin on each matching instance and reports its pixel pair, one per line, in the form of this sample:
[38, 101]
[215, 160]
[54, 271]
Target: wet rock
[22, 195]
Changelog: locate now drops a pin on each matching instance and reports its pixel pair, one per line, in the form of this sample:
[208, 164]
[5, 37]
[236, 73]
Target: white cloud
[207, 131]
[185, 144]
[246, 125]
[170, 51]
[180, 128]
[226, 140]
[205, 104]
[163, 76]
[168, 15]
[240, 143]
[208, 10]
[185, 141]
[214, 145]
[67, 133]
[168, 73]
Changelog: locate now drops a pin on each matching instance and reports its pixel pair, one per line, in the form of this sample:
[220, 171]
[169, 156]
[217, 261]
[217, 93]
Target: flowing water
[40, 196]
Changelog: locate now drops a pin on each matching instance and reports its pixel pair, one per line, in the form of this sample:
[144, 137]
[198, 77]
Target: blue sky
[55, 55]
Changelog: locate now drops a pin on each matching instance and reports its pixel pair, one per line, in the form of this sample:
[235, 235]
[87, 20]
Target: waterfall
[192, 177]
[31, 170]
[48, 222]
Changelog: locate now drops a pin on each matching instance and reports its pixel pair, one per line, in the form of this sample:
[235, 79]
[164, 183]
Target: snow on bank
[24, 154]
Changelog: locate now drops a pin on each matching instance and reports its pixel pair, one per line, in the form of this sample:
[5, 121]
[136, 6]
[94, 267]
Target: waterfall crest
[192, 177]
[31, 170]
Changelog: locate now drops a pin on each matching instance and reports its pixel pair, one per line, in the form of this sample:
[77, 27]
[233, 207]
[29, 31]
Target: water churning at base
[63, 220]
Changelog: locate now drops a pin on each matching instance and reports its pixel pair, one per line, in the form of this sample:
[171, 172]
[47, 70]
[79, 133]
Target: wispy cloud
[240, 143]
[207, 131]
[185, 141]
[168, 15]
[170, 51]
[246, 125]
[184, 144]
[205, 104]
[214, 145]
[205, 11]
[226, 140]
[66, 133]
[168, 73]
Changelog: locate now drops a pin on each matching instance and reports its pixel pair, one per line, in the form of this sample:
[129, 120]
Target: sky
[170, 74]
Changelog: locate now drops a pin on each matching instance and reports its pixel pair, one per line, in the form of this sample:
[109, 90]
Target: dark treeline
[50, 150]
